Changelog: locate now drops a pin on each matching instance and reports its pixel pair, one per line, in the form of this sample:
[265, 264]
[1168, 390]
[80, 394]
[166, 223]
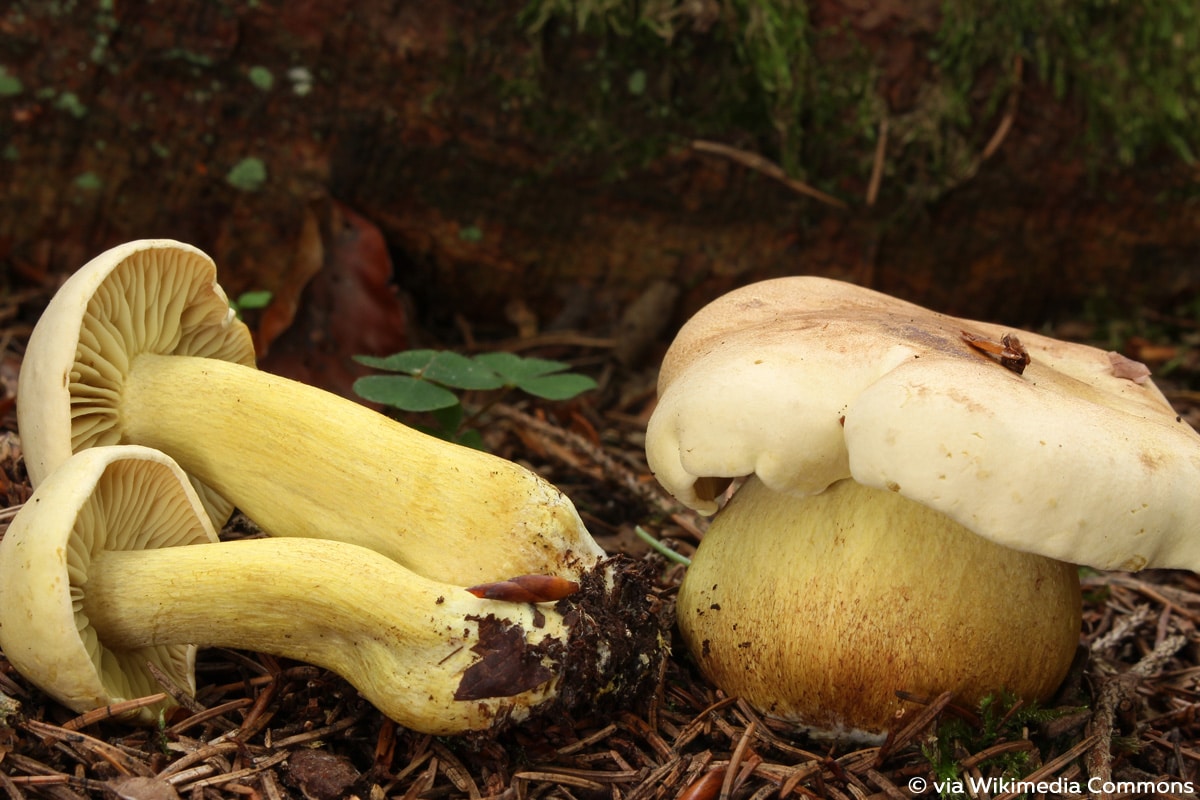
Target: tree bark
[257, 129]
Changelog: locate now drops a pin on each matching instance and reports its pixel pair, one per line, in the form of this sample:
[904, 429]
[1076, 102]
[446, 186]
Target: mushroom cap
[805, 381]
[106, 498]
[147, 296]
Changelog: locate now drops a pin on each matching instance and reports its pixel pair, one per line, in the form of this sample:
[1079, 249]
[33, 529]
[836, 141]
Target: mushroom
[113, 563]
[919, 489]
[140, 346]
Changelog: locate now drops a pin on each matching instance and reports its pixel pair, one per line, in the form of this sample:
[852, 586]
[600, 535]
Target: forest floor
[263, 727]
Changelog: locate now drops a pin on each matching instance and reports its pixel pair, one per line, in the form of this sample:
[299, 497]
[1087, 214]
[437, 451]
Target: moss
[625, 80]
[70, 103]
[248, 175]
[88, 181]
[662, 73]
[776, 43]
[261, 77]
[1000, 718]
[183, 55]
[10, 85]
[1133, 69]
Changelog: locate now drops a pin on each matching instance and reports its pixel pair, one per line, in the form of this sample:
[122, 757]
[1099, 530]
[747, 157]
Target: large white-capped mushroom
[113, 563]
[919, 488]
[139, 346]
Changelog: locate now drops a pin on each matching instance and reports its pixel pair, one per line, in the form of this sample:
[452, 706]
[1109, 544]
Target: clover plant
[430, 380]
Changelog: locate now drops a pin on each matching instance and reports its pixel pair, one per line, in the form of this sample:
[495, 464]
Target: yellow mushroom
[113, 563]
[140, 347]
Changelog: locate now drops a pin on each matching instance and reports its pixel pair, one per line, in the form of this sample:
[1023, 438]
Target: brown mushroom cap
[103, 317]
[805, 381]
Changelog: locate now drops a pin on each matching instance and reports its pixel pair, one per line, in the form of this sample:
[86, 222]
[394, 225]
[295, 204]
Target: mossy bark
[554, 171]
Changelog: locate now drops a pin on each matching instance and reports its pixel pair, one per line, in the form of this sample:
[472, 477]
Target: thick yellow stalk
[300, 461]
[430, 656]
[112, 565]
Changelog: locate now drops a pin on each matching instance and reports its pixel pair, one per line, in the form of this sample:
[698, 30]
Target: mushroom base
[431, 656]
[817, 610]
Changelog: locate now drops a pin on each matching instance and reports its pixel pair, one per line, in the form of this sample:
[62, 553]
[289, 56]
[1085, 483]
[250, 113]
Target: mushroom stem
[300, 461]
[819, 609]
[404, 641]
[113, 564]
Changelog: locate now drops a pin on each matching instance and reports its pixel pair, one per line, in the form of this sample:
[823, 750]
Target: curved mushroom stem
[300, 461]
[819, 609]
[112, 564]
[430, 656]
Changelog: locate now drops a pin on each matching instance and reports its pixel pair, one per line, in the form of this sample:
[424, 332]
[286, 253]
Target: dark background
[416, 172]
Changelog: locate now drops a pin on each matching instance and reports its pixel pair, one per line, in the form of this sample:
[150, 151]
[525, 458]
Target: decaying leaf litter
[263, 727]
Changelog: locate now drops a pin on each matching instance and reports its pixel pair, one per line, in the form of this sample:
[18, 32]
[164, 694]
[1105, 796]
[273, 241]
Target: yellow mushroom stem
[112, 565]
[300, 461]
[818, 609]
[431, 656]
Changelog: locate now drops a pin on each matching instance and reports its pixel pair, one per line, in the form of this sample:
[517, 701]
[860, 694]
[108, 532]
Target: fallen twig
[766, 167]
